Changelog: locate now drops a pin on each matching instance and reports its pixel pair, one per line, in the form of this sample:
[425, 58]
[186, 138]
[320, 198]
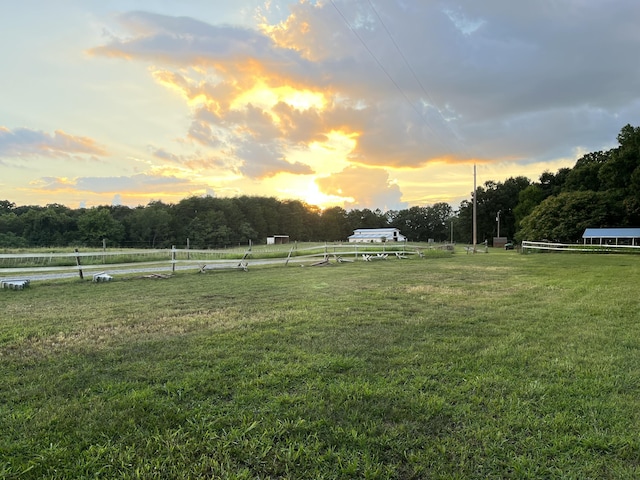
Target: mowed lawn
[496, 365]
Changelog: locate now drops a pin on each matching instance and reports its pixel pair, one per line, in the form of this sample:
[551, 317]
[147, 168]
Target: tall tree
[6, 206]
[97, 224]
[616, 172]
[564, 217]
[150, 226]
[208, 230]
[334, 225]
[528, 199]
[49, 226]
[585, 175]
[438, 218]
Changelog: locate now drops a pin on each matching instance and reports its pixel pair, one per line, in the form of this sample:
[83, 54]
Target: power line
[413, 73]
[382, 67]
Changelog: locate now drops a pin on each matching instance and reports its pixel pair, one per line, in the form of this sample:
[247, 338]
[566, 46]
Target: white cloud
[410, 84]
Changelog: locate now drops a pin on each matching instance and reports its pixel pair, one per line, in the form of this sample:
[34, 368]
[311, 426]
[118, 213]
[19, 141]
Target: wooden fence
[40, 266]
[577, 247]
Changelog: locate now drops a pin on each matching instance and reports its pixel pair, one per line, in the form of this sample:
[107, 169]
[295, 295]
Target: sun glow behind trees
[600, 191]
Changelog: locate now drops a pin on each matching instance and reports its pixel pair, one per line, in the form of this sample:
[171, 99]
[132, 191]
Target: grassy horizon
[494, 365]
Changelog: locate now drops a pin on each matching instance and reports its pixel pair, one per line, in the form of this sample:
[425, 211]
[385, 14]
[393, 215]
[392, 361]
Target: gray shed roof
[611, 233]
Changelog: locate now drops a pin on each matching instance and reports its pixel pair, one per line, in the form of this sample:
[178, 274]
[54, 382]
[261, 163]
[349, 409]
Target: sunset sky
[358, 103]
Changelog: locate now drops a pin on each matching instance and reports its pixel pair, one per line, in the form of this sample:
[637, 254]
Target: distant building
[376, 235]
[277, 239]
[611, 236]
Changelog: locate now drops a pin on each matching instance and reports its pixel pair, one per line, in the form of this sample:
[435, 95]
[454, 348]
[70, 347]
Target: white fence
[40, 266]
[577, 247]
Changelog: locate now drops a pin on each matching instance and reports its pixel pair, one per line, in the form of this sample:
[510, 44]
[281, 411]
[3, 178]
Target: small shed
[376, 235]
[611, 236]
[277, 239]
[499, 242]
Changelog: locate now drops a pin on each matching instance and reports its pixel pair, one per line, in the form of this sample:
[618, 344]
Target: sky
[354, 103]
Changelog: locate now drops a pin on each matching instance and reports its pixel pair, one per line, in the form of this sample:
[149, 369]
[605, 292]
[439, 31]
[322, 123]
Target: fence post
[173, 258]
[78, 264]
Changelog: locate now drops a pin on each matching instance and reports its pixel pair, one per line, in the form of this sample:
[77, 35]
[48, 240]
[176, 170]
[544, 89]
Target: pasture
[494, 365]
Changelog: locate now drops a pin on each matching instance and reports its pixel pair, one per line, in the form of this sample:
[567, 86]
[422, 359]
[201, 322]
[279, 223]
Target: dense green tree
[439, 221]
[298, 220]
[150, 226]
[183, 215]
[246, 234]
[366, 218]
[334, 225]
[11, 227]
[49, 226]
[564, 217]
[270, 212]
[617, 171]
[585, 175]
[6, 206]
[552, 183]
[252, 209]
[121, 214]
[419, 224]
[613, 175]
[631, 201]
[96, 225]
[493, 199]
[528, 199]
[411, 222]
[11, 240]
[234, 217]
[10, 223]
[208, 230]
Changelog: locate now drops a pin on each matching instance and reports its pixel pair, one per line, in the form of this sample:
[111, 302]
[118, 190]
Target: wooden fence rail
[39, 266]
[577, 247]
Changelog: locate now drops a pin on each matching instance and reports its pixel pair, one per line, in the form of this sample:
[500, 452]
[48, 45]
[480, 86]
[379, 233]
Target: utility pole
[475, 236]
[451, 232]
[498, 220]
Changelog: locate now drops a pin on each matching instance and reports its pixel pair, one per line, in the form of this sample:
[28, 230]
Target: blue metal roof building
[612, 236]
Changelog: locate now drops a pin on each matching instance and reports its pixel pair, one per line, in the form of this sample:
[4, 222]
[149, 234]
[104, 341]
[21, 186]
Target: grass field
[494, 365]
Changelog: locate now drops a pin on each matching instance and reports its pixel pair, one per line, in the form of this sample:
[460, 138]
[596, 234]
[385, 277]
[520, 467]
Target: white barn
[376, 235]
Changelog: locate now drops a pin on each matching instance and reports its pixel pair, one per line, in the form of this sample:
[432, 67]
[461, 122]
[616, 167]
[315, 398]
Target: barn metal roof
[375, 233]
[366, 235]
[611, 233]
[375, 230]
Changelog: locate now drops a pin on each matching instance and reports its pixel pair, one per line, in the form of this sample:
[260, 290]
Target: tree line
[601, 190]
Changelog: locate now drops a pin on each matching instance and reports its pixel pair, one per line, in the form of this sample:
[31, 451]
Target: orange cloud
[363, 187]
[24, 142]
[304, 31]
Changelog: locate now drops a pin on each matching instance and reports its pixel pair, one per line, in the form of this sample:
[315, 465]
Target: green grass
[494, 365]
